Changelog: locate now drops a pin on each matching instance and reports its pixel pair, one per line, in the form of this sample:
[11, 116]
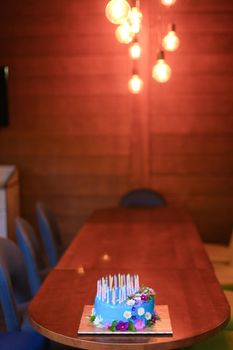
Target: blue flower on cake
[127, 314]
[148, 316]
[141, 311]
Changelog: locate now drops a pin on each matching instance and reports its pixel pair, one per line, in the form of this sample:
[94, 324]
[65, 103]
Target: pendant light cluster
[129, 20]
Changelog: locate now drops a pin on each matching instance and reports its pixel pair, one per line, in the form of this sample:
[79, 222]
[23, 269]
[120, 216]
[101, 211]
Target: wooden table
[164, 248]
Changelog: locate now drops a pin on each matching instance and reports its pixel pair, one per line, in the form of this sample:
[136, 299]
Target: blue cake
[122, 305]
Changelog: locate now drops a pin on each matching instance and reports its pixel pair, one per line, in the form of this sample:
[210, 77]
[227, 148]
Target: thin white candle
[115, 281]
[132, 285]
[113, 296]
[110, 281]
[119, 298]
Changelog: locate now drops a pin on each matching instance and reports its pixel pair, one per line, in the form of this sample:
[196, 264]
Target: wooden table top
[164, 248]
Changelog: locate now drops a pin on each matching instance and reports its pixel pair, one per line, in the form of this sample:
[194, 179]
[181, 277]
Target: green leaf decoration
[150, 323]
[113, 326]
[92, 318]
[131, 327]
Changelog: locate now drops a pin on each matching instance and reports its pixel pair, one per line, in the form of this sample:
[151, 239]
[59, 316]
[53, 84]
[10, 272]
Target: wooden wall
[81, 140]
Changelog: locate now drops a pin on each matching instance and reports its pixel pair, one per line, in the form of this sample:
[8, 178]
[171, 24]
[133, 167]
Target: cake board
[161, 327]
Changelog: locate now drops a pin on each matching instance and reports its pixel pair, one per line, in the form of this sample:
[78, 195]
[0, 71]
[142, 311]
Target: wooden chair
[142, 198]
[219, 253]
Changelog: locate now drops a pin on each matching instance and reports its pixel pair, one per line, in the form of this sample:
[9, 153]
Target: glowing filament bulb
[135, 84]
[135, 20]
[161, 70]
[135, 51]
[117, 11]
[171, 41]
[168, 2]
[124, 34]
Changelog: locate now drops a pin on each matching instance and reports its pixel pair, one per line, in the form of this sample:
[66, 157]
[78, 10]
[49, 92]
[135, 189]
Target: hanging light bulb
[123, 33]
[135, 20]
[117, 11]
[161, 70]
[168, 2]
[135, 83]
[171, 41]
[135, 50]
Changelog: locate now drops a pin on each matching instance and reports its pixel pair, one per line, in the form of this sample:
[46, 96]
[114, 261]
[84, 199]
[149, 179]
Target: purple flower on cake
[127, 314]
[153, 318]
[139, 324]
[144, 297]
[141, 311]
[148, 316]
[122, 326]
[130, 302]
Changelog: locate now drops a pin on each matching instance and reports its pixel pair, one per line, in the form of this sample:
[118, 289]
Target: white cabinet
[9, 200]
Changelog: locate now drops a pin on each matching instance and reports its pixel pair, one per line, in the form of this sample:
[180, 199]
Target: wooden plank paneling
[68, 66]
[60, 145]
[196, 84]
[71, 24]
[60, 46]
[193, 184]
[73, 124]
[74, 165]
[191, 144]
[200, 164]
[54, 7]
[79, 85]
[73, 184]
[71, 104]
[190, 123]
[192, 104]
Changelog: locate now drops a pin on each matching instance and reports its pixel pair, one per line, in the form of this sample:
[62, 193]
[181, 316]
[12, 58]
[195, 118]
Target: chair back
[12, 258]
[8, 274]
[23, 341]
[29, 247]
[142, 198]
[49, 231]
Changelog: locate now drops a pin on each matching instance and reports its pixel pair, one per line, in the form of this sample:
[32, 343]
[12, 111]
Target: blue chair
[29, 246]
[20, 334]
[142, 198]
[50, 233]
[22, 341]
